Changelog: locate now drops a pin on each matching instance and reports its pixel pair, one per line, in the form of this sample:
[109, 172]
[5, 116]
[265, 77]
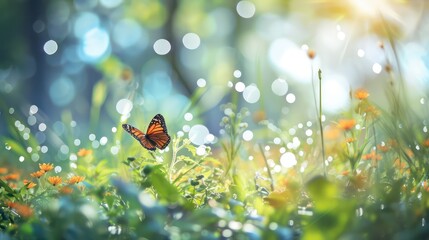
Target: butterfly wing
[140, 136]
[157, 133]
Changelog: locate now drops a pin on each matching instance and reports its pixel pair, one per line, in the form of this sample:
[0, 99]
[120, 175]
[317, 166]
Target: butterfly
[156, 135]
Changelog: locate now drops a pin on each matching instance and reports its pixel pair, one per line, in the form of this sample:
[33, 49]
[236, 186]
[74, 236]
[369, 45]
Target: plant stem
[268, 167]
[320, 122]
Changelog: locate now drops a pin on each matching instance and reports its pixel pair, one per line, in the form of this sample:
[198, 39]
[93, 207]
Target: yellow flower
[361, 94]
[29, 184]
[46, 166]
[55, 180]
[346, 124]
[76, 179]
[84, 152]
[37, 174]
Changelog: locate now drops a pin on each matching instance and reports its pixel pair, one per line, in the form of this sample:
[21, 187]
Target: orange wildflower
[12, 176]
[46, 166]
[383, 148]
[66, 190]
[345, 173]
[361, 94]
[76, 179]
[55, 180]
[29, 184]
[3, 170]
[311, 53]
[350, 140]
[37, 174]
[372, 156]
[426, 143]
[23, 210]
[84, 152]
[346, 124]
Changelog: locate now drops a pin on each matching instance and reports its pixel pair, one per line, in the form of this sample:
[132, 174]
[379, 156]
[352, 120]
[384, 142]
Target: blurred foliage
[272, 171]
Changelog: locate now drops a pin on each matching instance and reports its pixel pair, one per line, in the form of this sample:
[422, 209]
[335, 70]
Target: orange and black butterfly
[156, 135]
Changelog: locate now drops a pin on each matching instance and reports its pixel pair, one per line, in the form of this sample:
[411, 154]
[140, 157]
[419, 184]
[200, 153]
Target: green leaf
[15, 146]
[323, 193]
[99, 93]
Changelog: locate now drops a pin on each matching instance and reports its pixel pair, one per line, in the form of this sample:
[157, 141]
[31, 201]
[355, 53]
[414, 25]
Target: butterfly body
[156, 135]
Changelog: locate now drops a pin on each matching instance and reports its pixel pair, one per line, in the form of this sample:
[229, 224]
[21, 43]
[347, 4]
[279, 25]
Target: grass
[373, 183]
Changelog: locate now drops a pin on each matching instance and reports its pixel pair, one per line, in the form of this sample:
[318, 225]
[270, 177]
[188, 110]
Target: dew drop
[8, 147]
[76, 142]
[21, 158]
[11, 110]
[114, 129]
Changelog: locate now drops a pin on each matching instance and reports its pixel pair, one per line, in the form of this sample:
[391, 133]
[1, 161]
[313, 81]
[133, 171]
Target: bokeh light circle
[162, 46]
[246, 9]
[279, 87]
[251, 94]
[198, 134]
[124, 106]
[239, 86]
[191, 41]
[290, 98]
[247, 135]
[62, 91]
[50, 47]
[288, 160]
